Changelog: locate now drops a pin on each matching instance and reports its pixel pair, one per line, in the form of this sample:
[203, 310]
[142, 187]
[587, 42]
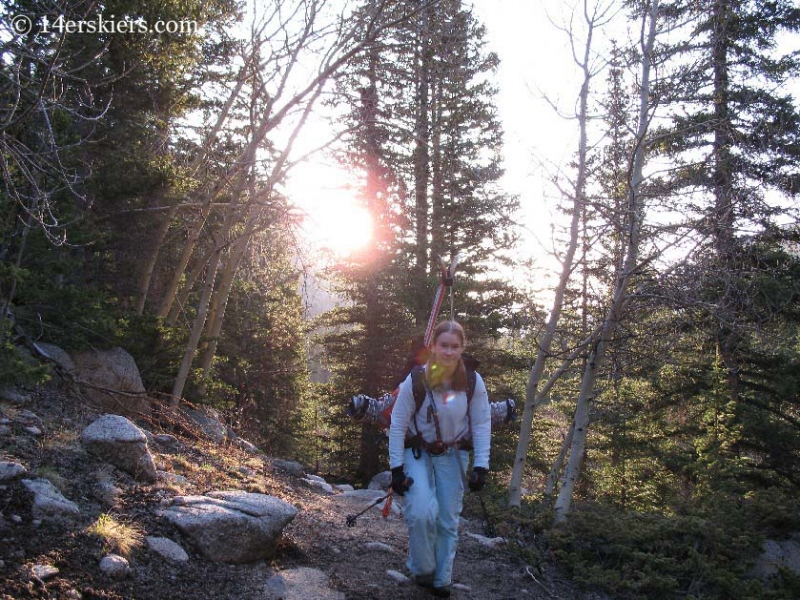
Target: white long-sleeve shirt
[453, 421]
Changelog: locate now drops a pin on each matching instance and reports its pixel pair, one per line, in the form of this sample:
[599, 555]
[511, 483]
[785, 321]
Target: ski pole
[490, 530]
[351, 519]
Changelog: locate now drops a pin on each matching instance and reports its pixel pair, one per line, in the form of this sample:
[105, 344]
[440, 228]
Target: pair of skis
[378, 411]
[446, 280]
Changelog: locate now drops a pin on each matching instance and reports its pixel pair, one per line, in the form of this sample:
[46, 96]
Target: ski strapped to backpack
[378, 411]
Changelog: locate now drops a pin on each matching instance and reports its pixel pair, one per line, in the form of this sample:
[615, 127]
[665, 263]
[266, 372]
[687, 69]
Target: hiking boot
[441, 592]
[424, 580]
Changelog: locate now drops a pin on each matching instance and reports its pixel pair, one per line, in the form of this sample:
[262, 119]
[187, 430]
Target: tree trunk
[634, 216]
[567, 265]
[558, 465]
[724, 199]
[154, 248]
[197, 329]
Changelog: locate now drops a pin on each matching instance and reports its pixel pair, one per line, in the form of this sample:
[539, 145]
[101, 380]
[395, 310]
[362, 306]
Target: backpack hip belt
[436, 448]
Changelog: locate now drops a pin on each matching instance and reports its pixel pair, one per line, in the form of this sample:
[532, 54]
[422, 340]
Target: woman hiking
[429, 453]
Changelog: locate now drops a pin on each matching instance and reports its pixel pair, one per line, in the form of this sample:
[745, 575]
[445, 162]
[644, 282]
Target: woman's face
[447, 350]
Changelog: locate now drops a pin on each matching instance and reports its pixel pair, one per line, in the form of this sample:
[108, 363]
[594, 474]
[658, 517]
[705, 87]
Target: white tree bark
[634, 217]
[149, 265]
[532, 396]
[281, 90]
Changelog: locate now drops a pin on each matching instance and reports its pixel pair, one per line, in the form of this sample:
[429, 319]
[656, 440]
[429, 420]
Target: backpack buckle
[436, 448]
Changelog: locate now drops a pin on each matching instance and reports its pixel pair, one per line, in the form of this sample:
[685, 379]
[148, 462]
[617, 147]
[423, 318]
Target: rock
[288, 466]
[370, 496]
[363, 494]
[325, 487]
[343, 487]
[11, 470]
[255, 521]
[107, 492]
[114, 566]
[167, 548]
[248, 472]
[44, 572]
[167, 442]
[28, 419]
[33, 430]
[494, 543]
[57, 355]
[116, 440]
[776, 555]
[246, 446]
[206, 421]
[301, 583]
[379, 547]
[172, 478]
[48, 502]
[381, 481]
[14, 396]
[151, 439]
[112, 381]
[397, 576]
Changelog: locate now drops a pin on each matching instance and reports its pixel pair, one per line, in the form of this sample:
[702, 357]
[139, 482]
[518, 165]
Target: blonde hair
[459, 382]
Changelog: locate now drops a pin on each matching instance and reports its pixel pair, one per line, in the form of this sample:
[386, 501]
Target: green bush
[638, 555]
[16, 366]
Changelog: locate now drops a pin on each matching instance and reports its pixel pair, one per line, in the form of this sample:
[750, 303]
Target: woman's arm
[481, 418]
[401, 415]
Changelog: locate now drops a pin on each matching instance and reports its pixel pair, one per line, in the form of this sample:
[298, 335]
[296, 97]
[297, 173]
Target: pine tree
[427, 140]
[735, 142]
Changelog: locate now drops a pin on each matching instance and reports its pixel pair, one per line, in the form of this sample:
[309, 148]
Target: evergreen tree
[260, 370]
[735, 144]
[427, 141]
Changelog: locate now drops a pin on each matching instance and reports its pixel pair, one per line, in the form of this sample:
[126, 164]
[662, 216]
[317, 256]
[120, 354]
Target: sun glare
[334, 220]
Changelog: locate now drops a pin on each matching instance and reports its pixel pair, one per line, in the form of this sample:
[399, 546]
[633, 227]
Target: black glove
[399, 481]
[477, 479]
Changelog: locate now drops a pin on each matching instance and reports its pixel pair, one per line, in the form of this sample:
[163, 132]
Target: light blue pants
[432, 507]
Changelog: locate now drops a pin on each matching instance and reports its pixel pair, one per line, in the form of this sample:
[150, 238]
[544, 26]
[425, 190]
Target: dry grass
[62, 439]
[53, 475]
[8, 409]
[117, 536]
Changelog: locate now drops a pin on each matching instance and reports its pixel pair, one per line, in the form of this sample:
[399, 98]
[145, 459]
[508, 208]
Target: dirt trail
[358, 558]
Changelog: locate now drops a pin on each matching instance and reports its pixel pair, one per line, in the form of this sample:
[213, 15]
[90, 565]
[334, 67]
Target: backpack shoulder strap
[471, 379]
[418, 387]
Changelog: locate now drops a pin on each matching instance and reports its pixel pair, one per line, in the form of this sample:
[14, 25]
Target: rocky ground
[319, 556]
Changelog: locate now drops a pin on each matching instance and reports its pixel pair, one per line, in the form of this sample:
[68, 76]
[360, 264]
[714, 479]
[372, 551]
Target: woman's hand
[477, 479]
[400, 483]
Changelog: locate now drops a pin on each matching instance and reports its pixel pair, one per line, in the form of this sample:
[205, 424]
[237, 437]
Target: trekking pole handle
[351, 519]
[407, 482]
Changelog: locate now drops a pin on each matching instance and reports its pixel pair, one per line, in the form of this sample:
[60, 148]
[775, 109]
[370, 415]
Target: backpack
[378, 411]
[420, 389]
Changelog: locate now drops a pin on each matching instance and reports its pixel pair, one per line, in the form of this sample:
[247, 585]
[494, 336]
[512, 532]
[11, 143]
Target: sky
[535, 61]
[536, 74]
[538, 83]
